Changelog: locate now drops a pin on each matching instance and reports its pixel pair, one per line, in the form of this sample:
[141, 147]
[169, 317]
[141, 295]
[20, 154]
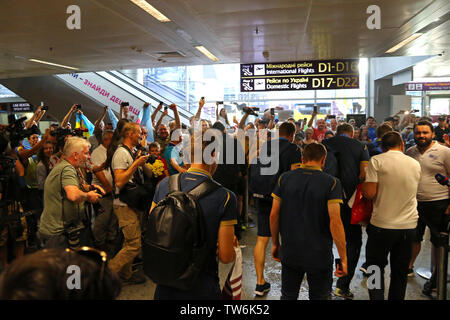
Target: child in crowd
[159, 166]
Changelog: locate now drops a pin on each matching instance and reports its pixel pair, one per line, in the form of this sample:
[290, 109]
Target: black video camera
[250, 111]
[16, 130]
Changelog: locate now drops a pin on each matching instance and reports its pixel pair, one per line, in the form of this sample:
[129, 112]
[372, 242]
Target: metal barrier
[442, 267]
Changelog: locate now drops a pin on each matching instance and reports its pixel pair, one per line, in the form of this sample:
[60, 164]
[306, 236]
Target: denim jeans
[319, 282]
[398, 243]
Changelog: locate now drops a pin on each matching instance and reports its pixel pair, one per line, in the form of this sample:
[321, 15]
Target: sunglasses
[93, 254]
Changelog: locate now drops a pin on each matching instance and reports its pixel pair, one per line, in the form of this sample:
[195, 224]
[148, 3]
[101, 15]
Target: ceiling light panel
[144, 5]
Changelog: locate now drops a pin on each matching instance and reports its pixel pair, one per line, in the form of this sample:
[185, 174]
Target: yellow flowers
[157, 168]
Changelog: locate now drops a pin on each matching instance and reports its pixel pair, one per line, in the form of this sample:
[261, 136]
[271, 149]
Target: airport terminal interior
[307, 71]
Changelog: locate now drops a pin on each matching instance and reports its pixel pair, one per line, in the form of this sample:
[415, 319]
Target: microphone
[442, 179]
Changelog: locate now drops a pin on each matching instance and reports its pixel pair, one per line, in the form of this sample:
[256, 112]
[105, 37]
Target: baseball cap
[442, 118]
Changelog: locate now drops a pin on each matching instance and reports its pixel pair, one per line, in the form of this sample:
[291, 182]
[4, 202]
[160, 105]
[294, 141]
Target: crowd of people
[94, 189]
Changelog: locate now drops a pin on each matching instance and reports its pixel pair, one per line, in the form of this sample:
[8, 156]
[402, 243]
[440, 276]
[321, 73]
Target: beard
[423, 142]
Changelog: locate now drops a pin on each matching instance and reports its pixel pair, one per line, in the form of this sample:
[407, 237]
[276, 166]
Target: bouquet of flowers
[157, 168]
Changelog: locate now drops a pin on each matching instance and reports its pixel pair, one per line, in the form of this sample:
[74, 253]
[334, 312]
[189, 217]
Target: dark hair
[41, 156]
[115, 141]
[287, 129]
[390, 140]
[424, 123]
[344, 128]
[43, 275]
[154, 145]
[382, 129]
[219, 126]
[314, 152]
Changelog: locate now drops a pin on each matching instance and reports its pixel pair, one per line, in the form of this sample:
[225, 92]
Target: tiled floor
[273, 275]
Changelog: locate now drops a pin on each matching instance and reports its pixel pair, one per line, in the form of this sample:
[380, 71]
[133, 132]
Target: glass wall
[221, 82]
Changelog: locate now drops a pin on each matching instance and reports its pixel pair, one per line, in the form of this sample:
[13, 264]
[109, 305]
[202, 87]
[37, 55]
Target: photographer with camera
[63, 221]
[12, 221]
[129, 200]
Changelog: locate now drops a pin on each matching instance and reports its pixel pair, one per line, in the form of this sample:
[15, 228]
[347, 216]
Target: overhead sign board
[300, 75]
[21, 107]
[427, 86]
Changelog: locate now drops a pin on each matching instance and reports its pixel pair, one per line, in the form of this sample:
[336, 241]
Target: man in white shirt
[433, 198]
[105, 225]
[392, 179]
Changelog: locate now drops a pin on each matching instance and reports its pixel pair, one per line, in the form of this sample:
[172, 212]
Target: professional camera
[61, 133]
[151, 159]
[250, 111]
[7, 166]
[73, 234]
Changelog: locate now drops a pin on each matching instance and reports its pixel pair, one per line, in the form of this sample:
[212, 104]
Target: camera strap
[137, 175]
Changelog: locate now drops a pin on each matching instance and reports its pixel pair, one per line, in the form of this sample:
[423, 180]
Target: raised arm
[40, 115]
[174, 108]
[66, 119]
[201, 103]
[145, 114]
[158, 108]
[310, 122]
[165, 113]
[29, 123]
[100, 119]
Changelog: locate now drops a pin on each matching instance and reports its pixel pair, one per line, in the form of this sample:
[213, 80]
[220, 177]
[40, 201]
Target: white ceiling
[116, 34]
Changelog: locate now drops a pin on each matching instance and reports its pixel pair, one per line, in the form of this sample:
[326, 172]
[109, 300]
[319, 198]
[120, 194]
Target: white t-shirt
[121, 160]
[435, 160]
[98, 157]
[397, 176]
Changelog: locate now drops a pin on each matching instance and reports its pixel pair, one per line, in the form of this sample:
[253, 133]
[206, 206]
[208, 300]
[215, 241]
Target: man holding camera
[63, 221]
[127, 173]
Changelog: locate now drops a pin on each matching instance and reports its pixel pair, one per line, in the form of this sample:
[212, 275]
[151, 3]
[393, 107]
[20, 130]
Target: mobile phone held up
[272, 111]
[315, 108]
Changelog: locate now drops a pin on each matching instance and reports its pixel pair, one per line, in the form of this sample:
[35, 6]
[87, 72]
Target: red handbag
[362, 208]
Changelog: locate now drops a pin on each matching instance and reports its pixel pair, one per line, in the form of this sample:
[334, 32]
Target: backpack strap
[203, 189]
[174, 183]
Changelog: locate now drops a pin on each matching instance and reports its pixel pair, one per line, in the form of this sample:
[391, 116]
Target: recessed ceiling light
[404, 42]
[52, 64]
[207, 53]
[144, 5]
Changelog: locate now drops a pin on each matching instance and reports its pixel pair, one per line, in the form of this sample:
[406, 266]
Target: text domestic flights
[300, 75]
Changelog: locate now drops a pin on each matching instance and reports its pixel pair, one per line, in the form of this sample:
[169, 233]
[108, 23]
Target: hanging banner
[300, 75]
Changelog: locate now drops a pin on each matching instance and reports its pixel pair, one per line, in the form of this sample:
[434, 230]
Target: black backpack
[174, 246]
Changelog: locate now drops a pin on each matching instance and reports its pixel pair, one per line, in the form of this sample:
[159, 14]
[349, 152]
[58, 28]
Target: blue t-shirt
[173, 152]
[372, 133]
[304, 221]
[349, 154]
[219, 209]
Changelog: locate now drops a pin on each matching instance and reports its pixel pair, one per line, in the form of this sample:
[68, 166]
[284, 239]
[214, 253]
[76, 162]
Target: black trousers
[353, 238]
[380, 243]
[319, 282]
